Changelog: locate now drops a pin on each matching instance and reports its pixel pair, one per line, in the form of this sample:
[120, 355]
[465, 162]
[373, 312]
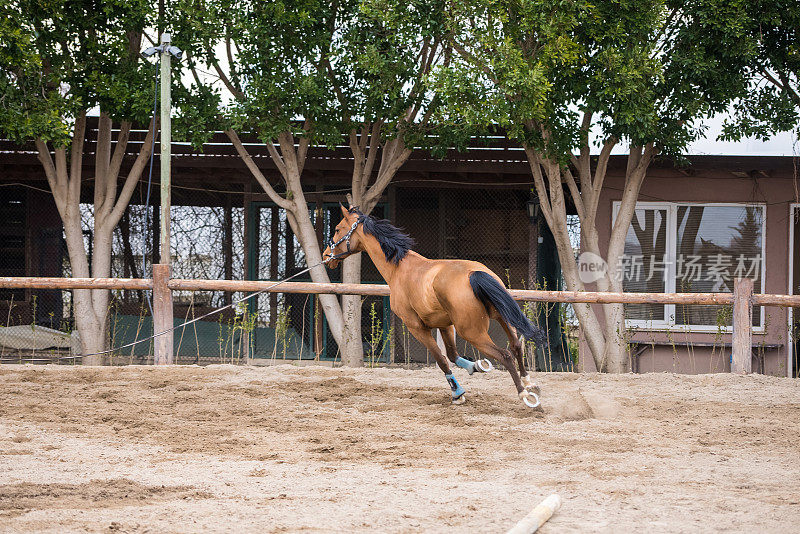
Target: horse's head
[345, 239]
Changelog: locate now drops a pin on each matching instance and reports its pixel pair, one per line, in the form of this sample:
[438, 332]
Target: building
[696, 228]
[472, 205]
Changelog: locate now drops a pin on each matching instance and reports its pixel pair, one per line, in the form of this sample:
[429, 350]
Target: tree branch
[600, 174]
[102, 161]
[231, 63]
[394, 156]
[788, 88]
[770, 77]
[256, 172]
[425, 61]
[63, 173]
[43, 153]
[336, 89]
[191, 63]
[576, 193]
[132, 180]
[583, 162]
[538, 182]
[276, 156]
[469, 57]
[237, 93]
[633, 183]
[357, 149]
[116, 163]
[374, 147]
[647, 158]
[286, 142]
[634, 156]
[76, 155]
[302, 147]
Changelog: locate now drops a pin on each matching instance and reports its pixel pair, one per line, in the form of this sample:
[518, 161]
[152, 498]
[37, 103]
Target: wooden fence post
[742, 326]
[162, 315]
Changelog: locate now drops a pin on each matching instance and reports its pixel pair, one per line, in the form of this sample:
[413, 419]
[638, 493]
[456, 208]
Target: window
[691, 248]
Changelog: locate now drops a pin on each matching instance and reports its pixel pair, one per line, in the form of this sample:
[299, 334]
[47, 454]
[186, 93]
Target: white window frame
[668, 323]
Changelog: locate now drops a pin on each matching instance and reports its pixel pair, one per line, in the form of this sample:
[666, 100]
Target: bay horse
[449, 295]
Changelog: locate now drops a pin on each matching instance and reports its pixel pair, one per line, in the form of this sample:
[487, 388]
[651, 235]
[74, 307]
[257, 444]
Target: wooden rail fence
[743, 299]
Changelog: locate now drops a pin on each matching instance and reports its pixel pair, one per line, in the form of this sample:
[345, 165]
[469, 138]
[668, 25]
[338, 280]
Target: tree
[624, 71]
[769, 31]
[378, 72]
[58, 61]
[272, 72]
[320, 73]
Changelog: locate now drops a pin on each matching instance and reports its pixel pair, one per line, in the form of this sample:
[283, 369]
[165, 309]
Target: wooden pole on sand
[538, 516]
[742, 357]
[162, 316]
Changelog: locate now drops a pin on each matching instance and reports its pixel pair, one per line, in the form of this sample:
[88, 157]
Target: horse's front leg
[449, 338]
[425, 337]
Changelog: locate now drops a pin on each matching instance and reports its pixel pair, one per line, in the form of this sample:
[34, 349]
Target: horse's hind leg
[449, 339]
[516, 348]
[424, 336]
[486, 346]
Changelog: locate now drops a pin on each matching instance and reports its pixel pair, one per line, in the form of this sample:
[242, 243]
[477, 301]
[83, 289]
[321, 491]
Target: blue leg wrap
[465, 364]
[455, 387]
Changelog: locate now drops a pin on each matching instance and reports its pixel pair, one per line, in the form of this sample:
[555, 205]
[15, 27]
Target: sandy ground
[313, 449]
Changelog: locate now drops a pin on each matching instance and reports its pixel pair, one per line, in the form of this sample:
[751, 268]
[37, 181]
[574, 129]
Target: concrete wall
[665, 350]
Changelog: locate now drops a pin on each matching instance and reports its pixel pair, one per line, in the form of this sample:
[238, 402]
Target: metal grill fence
[234, 234]
[491, 225]
[228, 234]
[469, 204]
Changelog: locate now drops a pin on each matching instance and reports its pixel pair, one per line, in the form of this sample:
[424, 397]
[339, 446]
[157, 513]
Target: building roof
[490, 161]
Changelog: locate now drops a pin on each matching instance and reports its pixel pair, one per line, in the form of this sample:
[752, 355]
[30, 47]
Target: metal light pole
[162, 295]
[166, 148]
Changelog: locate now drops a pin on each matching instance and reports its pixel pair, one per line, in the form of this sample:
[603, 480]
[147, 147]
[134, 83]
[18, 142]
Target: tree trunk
[300, 221]
[290, 162]
[93, 340]
[101, 268]
[131, 268]
[607, 340]
[227, 247]
[64, 178]
[366, 197]
[352, 351]
[615, 357]
[90, 329]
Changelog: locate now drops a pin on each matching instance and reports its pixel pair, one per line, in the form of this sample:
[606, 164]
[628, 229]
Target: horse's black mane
[394, 242]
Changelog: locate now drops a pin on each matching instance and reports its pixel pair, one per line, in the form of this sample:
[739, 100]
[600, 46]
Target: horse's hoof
[483, 366]
[461, 399]
[534, 389]
[531, 400]
[528, 384]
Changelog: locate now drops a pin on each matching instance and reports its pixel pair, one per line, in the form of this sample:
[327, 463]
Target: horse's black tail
[491, 292]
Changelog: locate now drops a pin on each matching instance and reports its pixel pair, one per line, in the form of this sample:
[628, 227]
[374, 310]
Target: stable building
[474, 205]
[697, 227]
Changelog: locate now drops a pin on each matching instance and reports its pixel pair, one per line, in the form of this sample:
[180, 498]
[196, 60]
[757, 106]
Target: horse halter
[346, 237]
